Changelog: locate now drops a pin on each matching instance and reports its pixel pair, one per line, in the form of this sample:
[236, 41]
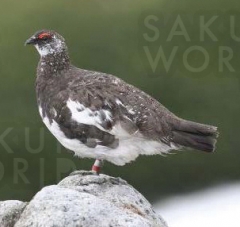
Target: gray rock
[10, 212]
[84, 199]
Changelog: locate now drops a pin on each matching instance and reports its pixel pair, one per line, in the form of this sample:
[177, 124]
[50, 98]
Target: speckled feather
[112, 119]
[98, 91]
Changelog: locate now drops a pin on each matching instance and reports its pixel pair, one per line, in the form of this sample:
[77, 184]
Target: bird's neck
[54, 63]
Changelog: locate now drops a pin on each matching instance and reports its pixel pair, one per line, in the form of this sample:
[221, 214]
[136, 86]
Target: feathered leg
[98, 164]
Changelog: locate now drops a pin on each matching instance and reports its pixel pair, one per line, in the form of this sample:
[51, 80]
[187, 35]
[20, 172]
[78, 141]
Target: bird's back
[126, 103]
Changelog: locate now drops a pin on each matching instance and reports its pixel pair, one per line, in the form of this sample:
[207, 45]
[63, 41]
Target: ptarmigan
[98, 115]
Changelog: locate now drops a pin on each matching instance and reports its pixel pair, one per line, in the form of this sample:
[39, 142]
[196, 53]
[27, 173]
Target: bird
[100, 116]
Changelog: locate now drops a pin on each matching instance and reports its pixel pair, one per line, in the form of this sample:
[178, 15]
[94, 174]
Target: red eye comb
[44, 35]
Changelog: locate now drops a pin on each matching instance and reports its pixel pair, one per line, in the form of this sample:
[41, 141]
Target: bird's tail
[194, 135]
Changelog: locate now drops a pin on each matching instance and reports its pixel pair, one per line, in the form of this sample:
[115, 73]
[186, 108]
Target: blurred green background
[107, 36]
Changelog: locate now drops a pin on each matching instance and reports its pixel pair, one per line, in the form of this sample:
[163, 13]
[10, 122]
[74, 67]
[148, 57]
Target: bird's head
[47, 42]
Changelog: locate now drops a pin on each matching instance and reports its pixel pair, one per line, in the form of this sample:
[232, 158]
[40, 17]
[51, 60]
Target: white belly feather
[130, 146]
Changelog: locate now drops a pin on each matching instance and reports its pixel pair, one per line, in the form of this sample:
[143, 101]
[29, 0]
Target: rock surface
[82, 199]
[10, 212]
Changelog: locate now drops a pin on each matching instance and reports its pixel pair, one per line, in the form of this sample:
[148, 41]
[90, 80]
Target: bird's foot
[98, 164]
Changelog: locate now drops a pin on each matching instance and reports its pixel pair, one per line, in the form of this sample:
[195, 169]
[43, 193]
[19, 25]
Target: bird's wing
[103, 106]
[90, 113]
[107, 101]
[77, 121]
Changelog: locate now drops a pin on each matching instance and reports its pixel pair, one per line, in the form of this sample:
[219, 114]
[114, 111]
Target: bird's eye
[44, 36]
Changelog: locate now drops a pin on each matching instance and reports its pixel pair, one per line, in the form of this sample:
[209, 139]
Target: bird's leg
[98, 164]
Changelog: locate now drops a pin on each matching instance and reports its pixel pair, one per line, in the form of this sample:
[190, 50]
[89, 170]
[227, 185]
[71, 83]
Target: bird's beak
[31, 41]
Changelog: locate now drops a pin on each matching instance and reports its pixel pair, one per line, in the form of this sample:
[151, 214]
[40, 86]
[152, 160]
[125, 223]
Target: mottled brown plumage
[88, 106]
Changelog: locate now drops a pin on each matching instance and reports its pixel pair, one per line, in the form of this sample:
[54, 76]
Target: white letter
[185, 57]
[151, 27]
[41, 172]
[19, 172]
[160, 54]
[1, 171]
[41, 141]
[59, 147]
[225, 60]
[205, 28]
[183, 30]
[3, 143]
[64, 165]
[232, 30]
